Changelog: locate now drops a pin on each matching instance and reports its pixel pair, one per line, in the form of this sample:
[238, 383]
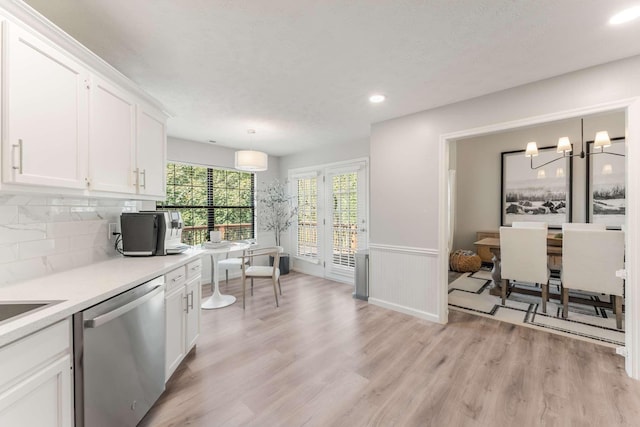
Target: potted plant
[276, 213]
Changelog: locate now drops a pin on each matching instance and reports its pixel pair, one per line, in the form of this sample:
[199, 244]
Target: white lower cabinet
[36, 378]
[192, 324]
[182, 306]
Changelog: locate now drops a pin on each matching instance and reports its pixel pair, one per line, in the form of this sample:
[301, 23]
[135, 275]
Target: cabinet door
[45, 112]
[111, 138]
[151, 151]
[176, 307]
[193, 313]
[42, 399]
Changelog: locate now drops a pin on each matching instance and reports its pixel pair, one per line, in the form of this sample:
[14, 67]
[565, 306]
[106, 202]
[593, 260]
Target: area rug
[470, 293]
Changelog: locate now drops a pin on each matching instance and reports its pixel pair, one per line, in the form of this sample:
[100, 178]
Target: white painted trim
[341, 279]
[306, 259]
[632, 237]
[301, 172]
[404, 249]
[632, 291]
[406, 310]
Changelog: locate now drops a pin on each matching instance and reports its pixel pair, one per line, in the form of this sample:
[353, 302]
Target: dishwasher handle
[104, 318]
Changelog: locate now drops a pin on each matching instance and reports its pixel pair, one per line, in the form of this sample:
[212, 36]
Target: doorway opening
[631, 107]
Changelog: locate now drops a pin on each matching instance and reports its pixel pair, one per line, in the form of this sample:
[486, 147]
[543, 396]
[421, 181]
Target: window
[344, 194]
[307, 217]
[211, 199]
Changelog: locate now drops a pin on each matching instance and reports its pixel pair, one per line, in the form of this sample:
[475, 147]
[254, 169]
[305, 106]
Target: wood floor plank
[325, 359]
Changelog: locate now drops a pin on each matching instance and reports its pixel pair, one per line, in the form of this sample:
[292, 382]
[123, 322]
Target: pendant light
[251, 160]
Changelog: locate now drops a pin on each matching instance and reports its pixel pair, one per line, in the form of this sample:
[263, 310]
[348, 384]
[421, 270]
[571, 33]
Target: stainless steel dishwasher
[119, 352]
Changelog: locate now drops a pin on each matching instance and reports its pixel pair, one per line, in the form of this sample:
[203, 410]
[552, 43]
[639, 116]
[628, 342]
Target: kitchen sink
[13, 309]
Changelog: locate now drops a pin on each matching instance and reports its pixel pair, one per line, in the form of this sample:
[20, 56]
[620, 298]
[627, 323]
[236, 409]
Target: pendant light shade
[564, 145]
[602, 139]
[251, 160]
[532, 149]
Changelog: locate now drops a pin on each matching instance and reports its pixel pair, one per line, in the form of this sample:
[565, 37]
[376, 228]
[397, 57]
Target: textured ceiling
[300, 71]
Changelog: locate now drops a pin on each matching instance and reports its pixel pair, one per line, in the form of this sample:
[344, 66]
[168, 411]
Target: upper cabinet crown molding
[20, 11]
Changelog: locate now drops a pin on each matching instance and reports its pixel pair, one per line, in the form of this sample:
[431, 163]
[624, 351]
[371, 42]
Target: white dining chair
[583, 226]
[232, 263]
[259, 271]
[590, 259]
[529, 224]
[523, 257]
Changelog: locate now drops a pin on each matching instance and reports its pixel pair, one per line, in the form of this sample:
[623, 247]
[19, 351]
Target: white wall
[405, 156]
[211, 155]
[325, 155]
[478, 167]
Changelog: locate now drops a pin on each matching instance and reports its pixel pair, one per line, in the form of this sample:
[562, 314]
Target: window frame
[210, 207]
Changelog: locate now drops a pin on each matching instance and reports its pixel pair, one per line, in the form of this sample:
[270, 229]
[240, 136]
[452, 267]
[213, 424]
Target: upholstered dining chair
[523, 257]
[259, 271]
[590, 259]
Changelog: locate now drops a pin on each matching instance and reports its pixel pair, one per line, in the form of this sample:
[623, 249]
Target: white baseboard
[406, 310]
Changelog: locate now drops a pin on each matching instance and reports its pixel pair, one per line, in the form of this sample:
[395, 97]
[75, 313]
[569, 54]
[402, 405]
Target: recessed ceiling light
[376, 98]
[625, 16]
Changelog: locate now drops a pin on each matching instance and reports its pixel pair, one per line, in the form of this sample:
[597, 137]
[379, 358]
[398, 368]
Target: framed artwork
[542, 194]
[606, 198]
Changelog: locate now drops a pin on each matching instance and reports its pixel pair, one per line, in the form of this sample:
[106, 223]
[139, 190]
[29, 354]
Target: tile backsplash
[40, 235]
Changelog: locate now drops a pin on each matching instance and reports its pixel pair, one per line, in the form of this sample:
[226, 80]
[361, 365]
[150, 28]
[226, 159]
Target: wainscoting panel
[404, 279]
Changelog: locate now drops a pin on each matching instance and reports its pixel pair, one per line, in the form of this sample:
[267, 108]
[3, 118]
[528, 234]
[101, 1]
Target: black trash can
[284, 263]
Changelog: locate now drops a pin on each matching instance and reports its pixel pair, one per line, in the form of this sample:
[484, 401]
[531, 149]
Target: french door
[346, 220]
[332, 219]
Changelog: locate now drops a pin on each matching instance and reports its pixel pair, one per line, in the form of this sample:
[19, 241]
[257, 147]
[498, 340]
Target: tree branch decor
[276, 210]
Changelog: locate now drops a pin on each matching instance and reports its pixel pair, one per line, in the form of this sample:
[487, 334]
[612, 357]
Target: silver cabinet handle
[175, 279]
[19, 147]
[136, 174]
[191, 304]
[104, 318]
[186, 303]
[144, 180]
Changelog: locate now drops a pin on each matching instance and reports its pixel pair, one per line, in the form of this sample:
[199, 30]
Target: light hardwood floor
[325, 359]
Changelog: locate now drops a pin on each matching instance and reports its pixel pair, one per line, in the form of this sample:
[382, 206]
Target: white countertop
[81, 288]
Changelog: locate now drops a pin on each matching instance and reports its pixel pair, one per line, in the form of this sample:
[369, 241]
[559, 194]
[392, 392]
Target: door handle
[186, 303]
[19, 147]
[104, 318]
[144, 178]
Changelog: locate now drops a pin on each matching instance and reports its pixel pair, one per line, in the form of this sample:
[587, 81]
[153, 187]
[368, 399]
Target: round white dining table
[218, 300]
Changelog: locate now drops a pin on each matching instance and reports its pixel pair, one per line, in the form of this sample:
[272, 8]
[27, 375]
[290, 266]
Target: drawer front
[194, 269]
[23, 355]
[175, 278]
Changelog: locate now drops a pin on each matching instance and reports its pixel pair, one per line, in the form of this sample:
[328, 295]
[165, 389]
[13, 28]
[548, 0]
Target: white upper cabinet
[151, 152]
[111, 138]
[45, 95]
